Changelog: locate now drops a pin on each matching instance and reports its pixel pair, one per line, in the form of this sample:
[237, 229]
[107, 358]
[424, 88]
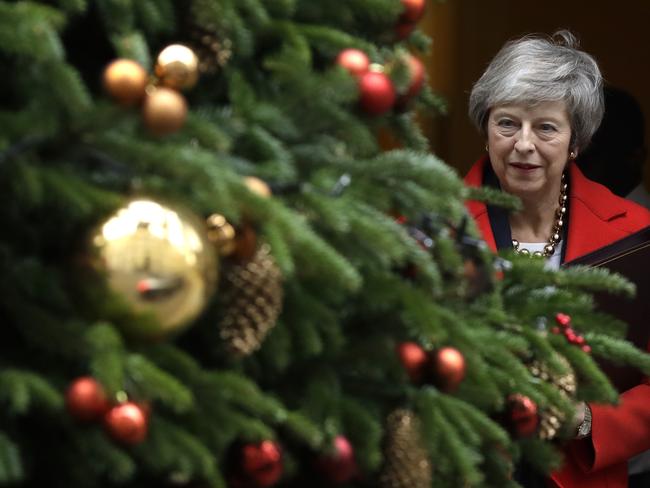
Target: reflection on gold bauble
[164, 111]
[177, 67]
[125, 81]
[222, 234]
[258, 186]
[159, 260]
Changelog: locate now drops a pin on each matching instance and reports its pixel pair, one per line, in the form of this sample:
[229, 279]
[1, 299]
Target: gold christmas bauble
[125, 81]
[177, 67]
[164, 111]
[159, 260]
[258, 186]
[222, 234]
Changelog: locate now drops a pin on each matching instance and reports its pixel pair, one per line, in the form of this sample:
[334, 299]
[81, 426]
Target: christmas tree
[212, 275]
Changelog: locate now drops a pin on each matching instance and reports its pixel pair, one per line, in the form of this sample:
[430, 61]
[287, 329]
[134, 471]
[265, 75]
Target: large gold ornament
[164, 110]
[177, 67]
[125, 80]
[159, 260]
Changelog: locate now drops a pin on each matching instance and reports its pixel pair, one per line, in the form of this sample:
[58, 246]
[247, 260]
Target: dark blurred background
[468, 33]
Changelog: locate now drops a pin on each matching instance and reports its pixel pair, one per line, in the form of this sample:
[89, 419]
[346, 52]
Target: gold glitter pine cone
[252, 294]
[406, 460]
[551, 419]
[214, 51]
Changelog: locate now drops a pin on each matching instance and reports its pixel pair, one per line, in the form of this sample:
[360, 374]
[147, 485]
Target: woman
[537, 104]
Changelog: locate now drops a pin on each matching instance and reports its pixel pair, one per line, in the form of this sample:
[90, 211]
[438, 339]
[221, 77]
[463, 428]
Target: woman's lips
[525, 166]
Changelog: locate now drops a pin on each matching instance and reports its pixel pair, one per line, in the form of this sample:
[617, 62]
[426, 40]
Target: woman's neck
[536, 220]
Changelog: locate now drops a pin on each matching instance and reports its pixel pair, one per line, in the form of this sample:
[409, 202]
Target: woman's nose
[524, 140]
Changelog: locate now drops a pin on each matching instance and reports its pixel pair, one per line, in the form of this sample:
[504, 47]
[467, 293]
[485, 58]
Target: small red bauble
[448, 367]
[340, 466]
[377, 93]
[355, 61]
[416, 70]
[413, 10]
[262, 463]
[127, 423]
[522, 413]
[414, 359]
[85, 399]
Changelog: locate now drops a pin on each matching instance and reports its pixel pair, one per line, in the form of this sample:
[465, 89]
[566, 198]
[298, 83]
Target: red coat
[597, 217]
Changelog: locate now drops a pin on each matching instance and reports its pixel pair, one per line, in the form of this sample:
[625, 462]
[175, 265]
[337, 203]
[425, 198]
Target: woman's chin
[525, 190]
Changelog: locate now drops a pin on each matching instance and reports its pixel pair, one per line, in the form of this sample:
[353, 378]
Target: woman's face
[529, 147]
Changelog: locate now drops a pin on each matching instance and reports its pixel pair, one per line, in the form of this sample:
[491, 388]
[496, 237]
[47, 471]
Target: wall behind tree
[468, 33]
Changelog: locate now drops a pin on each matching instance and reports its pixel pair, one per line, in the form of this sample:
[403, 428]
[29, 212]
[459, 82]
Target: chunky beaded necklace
[556, 235]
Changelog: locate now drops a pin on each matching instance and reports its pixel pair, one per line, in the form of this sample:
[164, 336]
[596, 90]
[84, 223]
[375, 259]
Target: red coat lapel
[597, 217]
[478, 210]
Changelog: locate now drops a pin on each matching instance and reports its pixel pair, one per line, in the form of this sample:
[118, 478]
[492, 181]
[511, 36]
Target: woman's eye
[547, 127]
[506, 123]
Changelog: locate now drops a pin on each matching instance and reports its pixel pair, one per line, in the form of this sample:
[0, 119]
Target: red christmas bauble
[339, 466]
[377, 94]
[416, 70]
[414, 359]
[448, 367]
[85, 399]
[262, 463]
[522, 415]
[413, 10]
[127, 423]
[355, 61]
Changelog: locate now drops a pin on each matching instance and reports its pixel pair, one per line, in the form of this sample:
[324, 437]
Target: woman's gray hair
[537, 69]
